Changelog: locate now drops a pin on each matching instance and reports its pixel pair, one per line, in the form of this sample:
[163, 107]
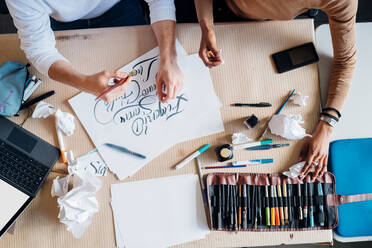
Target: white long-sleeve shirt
[31, 18]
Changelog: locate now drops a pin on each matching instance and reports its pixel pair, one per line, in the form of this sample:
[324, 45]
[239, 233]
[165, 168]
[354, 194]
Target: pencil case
[273, 202]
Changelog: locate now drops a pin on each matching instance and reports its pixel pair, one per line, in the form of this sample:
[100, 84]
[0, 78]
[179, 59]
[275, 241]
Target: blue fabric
[351, 163]
[12, 83]
[124, 13]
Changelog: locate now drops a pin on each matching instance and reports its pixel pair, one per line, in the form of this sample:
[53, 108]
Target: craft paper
[158, 212]
[93, 162]
[139, 122]
[288, 126]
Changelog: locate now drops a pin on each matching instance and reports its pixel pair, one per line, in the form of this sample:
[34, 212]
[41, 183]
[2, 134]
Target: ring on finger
[315, 163]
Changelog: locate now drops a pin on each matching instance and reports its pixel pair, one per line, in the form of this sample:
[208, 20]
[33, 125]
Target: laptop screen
[12, 200]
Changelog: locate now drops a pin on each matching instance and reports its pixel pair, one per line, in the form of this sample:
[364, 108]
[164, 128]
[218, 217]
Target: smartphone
[295, 57]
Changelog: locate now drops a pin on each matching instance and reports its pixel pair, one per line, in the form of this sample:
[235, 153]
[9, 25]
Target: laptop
[25, 162]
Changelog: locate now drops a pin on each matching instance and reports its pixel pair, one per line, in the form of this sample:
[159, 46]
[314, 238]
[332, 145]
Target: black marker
[311, 205]
[37, 99]
[300, 216]
[260, 105]
[220, 207]
[254, 206]
[306, 203]
[259, 205]
[290, 204]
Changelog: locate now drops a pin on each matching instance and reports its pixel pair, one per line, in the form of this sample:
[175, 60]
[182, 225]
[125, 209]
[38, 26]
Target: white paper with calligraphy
[93, 162]
[139, 122]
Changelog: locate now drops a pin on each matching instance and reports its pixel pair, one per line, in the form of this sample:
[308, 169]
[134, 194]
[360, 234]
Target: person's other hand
[169, 78]
[99, 82]
[315, 150]
[208, 51]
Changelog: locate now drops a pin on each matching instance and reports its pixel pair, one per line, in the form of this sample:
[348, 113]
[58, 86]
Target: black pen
[300, 216]
[321, 216]
[259, 205]
[260, 105]
[37, 99]
[290, 204]
[249, 204]
[231, 208]
[220, 207]
[254, 206]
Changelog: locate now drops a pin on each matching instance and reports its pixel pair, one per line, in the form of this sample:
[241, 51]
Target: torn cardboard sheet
[299, 99]
[77, 205]
[294, 170]
[240, 138]
[288, 126]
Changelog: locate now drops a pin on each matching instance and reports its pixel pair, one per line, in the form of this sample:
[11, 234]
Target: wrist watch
[329, 121]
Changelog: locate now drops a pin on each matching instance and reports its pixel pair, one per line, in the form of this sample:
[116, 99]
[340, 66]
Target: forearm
[62, 71]
[165, 32]
[204, 10]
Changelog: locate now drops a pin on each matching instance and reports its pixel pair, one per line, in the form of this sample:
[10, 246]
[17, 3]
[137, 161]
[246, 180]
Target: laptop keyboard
[17, 168]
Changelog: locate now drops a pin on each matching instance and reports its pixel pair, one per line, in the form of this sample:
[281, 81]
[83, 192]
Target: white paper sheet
[139, 122]
[93, 162]
[158, 212]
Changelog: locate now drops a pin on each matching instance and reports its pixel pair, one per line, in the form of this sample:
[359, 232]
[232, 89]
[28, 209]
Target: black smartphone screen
[295, 57]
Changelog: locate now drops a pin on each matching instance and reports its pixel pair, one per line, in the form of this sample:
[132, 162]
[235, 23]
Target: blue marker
[192, 156]
[254, 161]
[125, 150]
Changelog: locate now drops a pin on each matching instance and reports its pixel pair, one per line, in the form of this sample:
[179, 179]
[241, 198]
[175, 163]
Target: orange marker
[272, 209]
[277, 220]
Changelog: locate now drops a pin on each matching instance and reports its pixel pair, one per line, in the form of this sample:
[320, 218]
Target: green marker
[267, 205]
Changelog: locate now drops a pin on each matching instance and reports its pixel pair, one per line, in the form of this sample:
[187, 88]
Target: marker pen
[267, 205]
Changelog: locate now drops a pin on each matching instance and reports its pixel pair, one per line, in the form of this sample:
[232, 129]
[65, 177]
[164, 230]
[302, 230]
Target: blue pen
[254, 161]
[285, 101]
[125, 150]
[192, 156]
[224, 166]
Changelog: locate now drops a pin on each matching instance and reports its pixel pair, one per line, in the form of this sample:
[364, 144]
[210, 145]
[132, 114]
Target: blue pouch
[13, 76]
[350, 161]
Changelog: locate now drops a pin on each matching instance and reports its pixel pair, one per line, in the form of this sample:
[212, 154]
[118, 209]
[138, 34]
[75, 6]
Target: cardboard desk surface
[248, 75]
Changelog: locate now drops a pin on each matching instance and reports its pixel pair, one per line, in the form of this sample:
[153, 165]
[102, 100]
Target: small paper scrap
[65, 122]
[77, 205]
[299, 99]
[43, 110]
[93, 162]
[240, 138]
[294, 170]
[288, 126]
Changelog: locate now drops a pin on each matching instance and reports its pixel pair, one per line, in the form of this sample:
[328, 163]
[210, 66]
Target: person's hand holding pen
[99, 82]
[315, 151]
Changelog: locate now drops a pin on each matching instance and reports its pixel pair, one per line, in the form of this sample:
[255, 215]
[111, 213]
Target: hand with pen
[99, 82]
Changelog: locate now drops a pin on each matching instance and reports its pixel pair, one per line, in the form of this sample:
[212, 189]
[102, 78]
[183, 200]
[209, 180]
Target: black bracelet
[330, 116]
[330, 108]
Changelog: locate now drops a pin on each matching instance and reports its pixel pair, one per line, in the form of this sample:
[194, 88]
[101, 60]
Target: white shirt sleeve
[34, 31]
[161, 10]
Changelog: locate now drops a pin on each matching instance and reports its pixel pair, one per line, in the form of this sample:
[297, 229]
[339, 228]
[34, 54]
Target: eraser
[251, 121]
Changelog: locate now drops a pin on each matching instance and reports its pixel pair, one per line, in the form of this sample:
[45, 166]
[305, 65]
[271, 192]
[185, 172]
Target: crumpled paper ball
[65, 121]
[240, 138]
[43, 110]
[288, 126]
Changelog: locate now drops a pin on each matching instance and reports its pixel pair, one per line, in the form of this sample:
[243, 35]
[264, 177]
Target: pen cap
[265, 142]
[204, 148]
[267, 161]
